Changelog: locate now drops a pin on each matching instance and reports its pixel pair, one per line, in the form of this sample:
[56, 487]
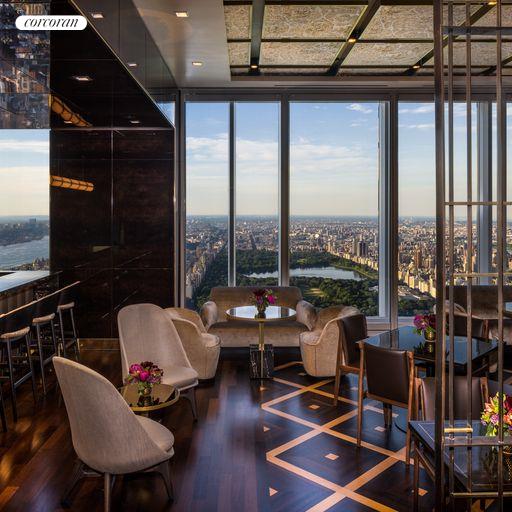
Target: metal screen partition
[469, 465]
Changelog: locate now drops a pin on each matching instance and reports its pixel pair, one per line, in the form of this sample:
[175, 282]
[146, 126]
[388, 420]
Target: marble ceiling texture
[299, 39]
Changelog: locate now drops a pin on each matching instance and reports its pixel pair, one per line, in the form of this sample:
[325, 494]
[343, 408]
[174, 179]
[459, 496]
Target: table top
[482, 460]
[162, 395]
[404, 338]
[10, 280]
[272, 313]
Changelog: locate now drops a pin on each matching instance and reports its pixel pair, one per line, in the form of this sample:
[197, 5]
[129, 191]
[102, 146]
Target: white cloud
[419, 126]
[359, 107]
[427, 108]
[24, 146]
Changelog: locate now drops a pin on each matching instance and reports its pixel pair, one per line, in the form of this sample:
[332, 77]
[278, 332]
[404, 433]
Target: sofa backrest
[227, 297]
[484, 299]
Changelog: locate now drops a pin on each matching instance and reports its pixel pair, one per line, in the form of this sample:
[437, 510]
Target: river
[325, 272]
[17, 254]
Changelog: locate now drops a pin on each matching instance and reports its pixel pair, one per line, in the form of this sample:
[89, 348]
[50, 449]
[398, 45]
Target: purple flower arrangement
[145, 375]
[425, 324]
[263, 298]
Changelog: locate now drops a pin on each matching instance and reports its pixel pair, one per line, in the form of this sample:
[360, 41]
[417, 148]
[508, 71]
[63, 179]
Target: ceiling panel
[239, 53]
[372, 54]
[238, 21]
[371, 71]
[298, 53]
[489, 19]
[482, 54]
[309, 21]
[294, 71]
[407, 22]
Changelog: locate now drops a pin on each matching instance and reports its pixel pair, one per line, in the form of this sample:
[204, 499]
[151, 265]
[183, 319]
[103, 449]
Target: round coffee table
[162, 395]
[272, 314]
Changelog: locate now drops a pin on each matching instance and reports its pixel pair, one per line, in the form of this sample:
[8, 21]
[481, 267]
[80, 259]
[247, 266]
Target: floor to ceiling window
[256, 193]
[24, 199]
[207, 199]
[334, 203]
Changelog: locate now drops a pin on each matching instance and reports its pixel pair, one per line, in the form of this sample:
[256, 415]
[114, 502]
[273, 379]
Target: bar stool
[67, 301]
[44, 314]
[15, 334]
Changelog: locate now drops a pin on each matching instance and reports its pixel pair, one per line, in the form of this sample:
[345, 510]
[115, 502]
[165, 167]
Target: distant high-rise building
[362, 249]
[418, 258]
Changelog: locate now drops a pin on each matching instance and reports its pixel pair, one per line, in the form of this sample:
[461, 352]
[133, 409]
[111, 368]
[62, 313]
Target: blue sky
[24, 172]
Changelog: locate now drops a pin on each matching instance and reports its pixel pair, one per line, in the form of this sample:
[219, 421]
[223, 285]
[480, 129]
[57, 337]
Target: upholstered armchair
[108, 438]
[147, 334]
[319, 347]
[202, 349]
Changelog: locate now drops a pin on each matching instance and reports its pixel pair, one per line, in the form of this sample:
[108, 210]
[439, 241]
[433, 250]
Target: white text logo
[51, 23]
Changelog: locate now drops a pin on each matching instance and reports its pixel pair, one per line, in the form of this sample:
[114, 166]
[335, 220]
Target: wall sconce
[60, 181]
[62, 110]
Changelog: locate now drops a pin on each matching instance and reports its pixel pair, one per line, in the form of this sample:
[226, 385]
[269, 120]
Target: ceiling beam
[258, 11]
[356, 32]
[473, 18]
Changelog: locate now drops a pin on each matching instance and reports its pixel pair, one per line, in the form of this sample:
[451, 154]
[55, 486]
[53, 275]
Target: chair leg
[388, 415]
[2, 410]
[164, 471]
[359, 411]
[416, 480]
[31, 366]
[41, 356]
[190, 395]
[11, 381]
[62, 337]
[75, 334]
[408, 446]
[107, 490]
[337, 380]
[78, 474]
[54, 339]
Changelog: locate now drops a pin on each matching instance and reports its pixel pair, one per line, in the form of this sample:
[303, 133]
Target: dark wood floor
[280, 447]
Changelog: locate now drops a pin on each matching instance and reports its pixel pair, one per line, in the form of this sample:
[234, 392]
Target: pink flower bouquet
[263, 298]
[425, 324]
[145, 375]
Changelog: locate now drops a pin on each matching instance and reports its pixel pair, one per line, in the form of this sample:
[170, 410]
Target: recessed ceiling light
[197, 63]
[352, 40]
[492, 3]
[181, 14]
[68, 122]
[132, 64]
[97, 15]
[134, 121]
[416, 66]
[254, 66]
[82, 78]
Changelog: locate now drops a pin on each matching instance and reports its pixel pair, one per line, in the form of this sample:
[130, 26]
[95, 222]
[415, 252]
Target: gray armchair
[202, 349]
[107, 436]
[147, 334]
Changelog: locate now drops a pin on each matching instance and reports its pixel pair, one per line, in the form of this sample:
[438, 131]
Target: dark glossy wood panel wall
[118, 238]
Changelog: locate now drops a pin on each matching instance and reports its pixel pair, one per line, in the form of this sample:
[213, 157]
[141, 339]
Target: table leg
[261, 341]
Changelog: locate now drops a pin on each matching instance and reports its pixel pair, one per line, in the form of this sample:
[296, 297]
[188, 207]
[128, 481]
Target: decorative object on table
[426, 325]
[490, 418]
[262, 299]
[145, 375]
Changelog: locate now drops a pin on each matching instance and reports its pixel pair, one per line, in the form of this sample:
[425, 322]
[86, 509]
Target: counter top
[10, 280]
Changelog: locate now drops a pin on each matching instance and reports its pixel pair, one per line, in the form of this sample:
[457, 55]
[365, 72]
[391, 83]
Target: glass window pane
[24, 199]
[207, 199]
[257, 188]
[334, 203]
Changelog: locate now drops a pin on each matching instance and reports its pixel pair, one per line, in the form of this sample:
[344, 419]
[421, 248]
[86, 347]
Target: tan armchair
[202, 349]
[319, 347]
[147, 334]
[108, 438]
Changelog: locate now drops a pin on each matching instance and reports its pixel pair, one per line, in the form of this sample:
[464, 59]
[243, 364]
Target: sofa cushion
[227, 297]
[234, 333]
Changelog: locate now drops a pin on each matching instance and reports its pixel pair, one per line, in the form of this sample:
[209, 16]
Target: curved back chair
[146, 333]
[15, 336]
[202, 349]
[106, 434]
[352, 329]
[45, 310]
[380, 363]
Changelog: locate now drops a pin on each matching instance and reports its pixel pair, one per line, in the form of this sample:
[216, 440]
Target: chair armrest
[187, 314]
[331, 312]
[209, 314]
[306, 314]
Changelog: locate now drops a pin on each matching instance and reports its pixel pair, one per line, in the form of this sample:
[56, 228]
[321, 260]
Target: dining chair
[202, 349]
[479, 326]
[146, 333]
[108, 438]
[425, 391]
[351, 330]
[490, 388]
[15, 346]
[390, 380]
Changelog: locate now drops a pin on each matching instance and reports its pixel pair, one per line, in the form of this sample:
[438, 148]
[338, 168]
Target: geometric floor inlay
[315, 442]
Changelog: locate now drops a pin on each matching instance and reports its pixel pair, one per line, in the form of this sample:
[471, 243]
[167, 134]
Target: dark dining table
[404, 338]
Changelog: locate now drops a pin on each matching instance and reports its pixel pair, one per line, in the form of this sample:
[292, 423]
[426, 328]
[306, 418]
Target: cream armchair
[319, 347]
[202, 349]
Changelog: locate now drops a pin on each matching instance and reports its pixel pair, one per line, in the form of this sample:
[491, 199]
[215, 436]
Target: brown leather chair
[479, 326]
[352, 329]
[380, 363]
[425, 400]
